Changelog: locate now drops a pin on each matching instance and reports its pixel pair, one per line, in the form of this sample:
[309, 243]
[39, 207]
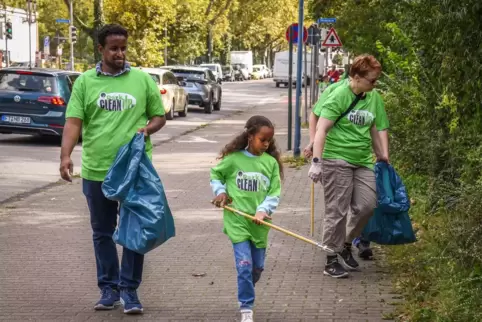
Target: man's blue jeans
[103, 219]
[249, 264]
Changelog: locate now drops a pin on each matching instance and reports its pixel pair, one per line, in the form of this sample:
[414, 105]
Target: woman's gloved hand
[316, 171]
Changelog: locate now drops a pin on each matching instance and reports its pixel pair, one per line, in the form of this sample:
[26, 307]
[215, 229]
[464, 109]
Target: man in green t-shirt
[110, 104]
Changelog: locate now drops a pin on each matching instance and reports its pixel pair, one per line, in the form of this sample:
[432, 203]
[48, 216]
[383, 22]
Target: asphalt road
[30, 163]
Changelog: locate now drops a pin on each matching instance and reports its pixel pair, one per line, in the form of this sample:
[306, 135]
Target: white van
[281, 67]
[216, 69]
[241, 57]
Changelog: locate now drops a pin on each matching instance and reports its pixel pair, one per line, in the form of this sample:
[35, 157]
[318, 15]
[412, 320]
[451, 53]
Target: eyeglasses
[371, 81]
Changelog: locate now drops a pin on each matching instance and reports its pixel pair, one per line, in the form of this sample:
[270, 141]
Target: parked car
[201, 86]
[174, 96]
[216, 69]
[257, 73]
[34, 101]
[241, 72]
[228, 73]
[265, 72]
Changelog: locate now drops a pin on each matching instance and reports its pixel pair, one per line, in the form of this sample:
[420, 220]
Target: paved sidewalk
[47, 267]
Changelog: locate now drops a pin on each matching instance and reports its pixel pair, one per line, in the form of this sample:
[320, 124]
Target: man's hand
[316, 172]
[154, 125]
[260, 216]
[66, 169]
[308, 151]
[221, 200]
[144, 131]
[72, 129]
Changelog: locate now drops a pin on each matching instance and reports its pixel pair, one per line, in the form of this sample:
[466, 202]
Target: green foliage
[337, 59]
[430, 52]
[257, 25]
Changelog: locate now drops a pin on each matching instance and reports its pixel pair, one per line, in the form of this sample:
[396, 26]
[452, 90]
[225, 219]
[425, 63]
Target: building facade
[24, 44]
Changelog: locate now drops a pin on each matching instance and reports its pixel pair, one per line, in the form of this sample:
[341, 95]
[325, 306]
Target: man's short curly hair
[109, 30]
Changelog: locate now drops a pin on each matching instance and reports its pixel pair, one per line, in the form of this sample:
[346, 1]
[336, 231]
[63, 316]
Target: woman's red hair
[364, 64]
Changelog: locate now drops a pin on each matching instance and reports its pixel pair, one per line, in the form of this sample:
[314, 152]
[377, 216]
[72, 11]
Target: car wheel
[170, 114]
[184, 112]
[277, 84]
[217, 106]
[208, 107]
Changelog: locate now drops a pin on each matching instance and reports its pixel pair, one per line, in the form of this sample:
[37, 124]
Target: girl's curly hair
[240, 142]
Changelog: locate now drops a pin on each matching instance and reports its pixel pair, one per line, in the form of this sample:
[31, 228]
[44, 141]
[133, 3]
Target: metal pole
[296, 151]
[306, 86]
[71, 42]
[314, 65]
[165, 48]
[317, 69]
[290, 90]
[29, 17]
[6, 39]
[326, 61]
[312, 73]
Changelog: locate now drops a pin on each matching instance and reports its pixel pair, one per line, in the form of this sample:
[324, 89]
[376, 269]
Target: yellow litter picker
[283, 230]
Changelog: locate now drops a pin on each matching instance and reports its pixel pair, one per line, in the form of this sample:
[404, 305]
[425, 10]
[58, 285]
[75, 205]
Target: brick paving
[47, 267]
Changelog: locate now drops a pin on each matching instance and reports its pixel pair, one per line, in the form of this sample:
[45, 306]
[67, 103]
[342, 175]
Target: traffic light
[8, 29]
[73, 34]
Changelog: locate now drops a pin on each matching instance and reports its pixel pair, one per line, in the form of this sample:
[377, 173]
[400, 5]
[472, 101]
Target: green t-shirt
[249, 180]
[350, 138]
[112, 109]
[325, 94]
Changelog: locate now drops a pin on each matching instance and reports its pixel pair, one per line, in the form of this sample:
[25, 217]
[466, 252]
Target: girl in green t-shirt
[249, 177]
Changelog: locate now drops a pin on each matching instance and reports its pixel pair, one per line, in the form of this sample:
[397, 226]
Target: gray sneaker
[347, 258]
[334, 269]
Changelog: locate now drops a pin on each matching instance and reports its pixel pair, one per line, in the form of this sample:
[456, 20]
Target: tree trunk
[94, 30]
[99, 21]
[210, 44]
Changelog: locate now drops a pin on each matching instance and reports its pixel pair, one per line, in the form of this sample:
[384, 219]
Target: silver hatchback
[202, 87]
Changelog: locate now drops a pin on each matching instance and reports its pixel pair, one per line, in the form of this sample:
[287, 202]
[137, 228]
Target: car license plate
[16, 119]
[189, 84]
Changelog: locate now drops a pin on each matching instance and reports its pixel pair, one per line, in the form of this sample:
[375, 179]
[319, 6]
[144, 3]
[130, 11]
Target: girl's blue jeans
[249, 264]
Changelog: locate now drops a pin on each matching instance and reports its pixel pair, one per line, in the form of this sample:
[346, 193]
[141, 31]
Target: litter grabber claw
[283, 230]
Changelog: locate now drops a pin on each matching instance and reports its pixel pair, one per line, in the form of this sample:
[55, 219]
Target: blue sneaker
[109, 299]
[130, 301]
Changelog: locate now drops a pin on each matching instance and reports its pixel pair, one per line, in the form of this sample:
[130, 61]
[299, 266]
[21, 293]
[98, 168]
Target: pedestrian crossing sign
[332, 39]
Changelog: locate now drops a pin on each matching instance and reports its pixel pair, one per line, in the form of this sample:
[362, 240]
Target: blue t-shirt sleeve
[271, 201]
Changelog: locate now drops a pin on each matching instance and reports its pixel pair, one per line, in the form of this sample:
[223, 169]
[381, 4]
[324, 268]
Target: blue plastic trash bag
[145, 220]
[390, 224]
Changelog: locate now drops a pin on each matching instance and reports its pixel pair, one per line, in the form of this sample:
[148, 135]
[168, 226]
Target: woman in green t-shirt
[249, 176]
[352, 122]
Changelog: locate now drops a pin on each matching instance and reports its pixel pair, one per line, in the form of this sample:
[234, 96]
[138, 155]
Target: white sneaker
[246, 315]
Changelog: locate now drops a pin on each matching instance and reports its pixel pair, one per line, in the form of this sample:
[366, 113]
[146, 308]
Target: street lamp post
[71, 9]
[31, 18]
[299, 80]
